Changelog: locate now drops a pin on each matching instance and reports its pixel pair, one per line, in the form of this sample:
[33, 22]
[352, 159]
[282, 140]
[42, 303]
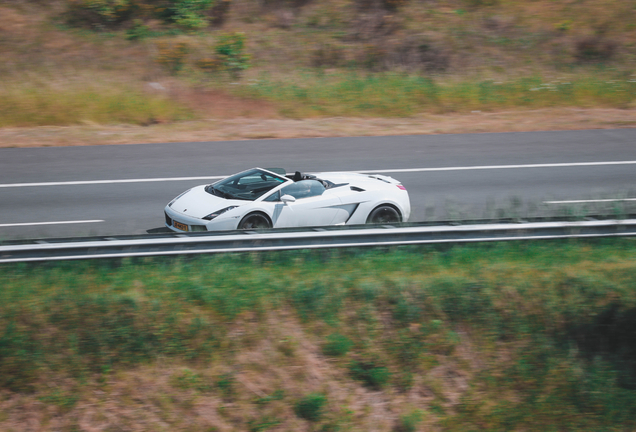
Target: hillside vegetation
[510, 337]
[154, 61]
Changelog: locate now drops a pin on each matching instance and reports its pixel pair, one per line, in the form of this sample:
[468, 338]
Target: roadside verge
[257, 128]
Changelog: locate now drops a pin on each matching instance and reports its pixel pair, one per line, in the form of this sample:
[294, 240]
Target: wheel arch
[388, 204]
[254, 212]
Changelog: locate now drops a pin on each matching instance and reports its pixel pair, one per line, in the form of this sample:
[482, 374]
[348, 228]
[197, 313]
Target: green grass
[399, 95]
[311, 95]
[310, 407]
[550, 325]
[77, 103]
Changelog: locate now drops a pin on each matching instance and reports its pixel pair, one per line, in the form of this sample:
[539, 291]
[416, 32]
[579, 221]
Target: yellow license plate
[179, 225]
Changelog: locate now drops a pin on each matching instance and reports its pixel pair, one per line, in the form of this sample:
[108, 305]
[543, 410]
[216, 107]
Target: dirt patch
[222, 128]
[221, 105]
[175, 396]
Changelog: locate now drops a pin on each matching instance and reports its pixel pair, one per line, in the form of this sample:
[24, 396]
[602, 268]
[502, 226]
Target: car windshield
[248, 185]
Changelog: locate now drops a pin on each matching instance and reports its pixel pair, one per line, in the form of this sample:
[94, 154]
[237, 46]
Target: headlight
[219, 212]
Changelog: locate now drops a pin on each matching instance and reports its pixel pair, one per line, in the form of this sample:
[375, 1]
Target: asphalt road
[37, 201]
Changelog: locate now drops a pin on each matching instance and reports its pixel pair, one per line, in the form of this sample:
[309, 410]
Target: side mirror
[287, 199]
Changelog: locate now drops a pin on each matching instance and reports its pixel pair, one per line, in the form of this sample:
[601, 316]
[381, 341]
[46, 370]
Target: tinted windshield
[248, 185]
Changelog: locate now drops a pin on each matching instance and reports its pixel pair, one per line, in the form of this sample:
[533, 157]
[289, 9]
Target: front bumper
[180, 223]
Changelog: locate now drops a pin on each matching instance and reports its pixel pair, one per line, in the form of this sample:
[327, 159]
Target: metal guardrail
[316, 238]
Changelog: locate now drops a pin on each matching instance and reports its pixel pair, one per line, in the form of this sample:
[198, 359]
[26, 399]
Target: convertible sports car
[269, 198]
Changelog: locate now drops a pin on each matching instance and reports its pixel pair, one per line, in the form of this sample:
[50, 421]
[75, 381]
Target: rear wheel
[384, 214]
[254, 221]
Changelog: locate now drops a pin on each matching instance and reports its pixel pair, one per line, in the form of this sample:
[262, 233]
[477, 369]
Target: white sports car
[269, 198]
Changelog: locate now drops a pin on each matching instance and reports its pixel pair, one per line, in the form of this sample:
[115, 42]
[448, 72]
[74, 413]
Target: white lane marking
[589, 201]
[492, 167]
[91, 182]
[398, 170]
[50, 223]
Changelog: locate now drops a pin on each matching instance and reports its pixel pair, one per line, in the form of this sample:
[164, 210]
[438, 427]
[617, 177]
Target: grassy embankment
[517, 336]
[389, 95]
[332, 58]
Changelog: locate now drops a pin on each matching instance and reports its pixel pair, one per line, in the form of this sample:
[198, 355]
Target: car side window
[273, 197]
[303, 189]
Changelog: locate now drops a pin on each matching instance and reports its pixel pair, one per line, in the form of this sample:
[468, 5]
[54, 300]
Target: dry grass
[152, 397]
[242, 127]
[64, 103]
[475, 42]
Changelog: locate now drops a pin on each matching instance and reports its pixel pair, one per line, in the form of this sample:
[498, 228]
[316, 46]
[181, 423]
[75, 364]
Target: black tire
[254, 221]
[384, 214]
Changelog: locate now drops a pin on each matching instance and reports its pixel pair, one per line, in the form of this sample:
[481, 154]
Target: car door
[314, 205]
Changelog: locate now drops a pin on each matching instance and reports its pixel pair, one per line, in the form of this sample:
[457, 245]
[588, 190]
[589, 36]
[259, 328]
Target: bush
[230, 52]
[310, 407]
[209, 64]
[337, 345]
[225, 384]
[408, 423]
[594, 49]
[172, 56]
[99, 12]
[188, 14]
[263, 423]
[393, 5]
[372, 375]
[138, 31]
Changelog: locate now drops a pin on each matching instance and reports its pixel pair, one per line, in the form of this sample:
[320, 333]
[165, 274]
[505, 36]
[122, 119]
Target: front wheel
[384, 214]
[254, 221]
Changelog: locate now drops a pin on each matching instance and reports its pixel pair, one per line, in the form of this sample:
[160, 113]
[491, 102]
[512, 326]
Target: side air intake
[356, 188]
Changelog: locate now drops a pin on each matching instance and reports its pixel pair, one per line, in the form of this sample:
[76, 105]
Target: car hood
[198, 203]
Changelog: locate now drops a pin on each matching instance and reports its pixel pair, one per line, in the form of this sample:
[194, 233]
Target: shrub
[393, 5]
[372, 375]
[406, 310]
[230, 52]
[337, 345]
[188, 14]
[408, 422]
[225, 384]
[310, 407]
[138, 31]
[99, 12]
[172, 56]
[209, 64]
[594, 49]
[263, 423]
